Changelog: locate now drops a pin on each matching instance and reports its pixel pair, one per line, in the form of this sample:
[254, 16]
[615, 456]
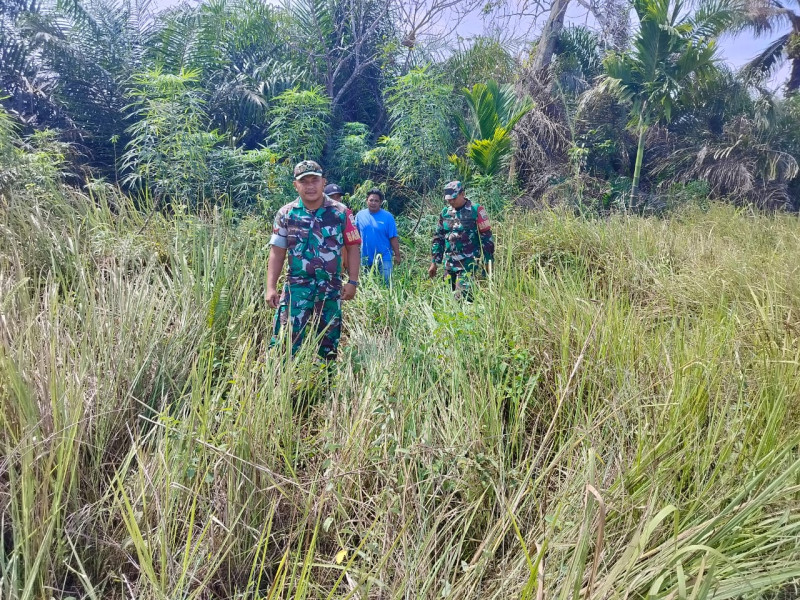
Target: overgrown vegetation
[616, 413]
[614, 416]
[607, 118]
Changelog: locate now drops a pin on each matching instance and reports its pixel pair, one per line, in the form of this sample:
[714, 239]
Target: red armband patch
[483, 220]
[351, 234]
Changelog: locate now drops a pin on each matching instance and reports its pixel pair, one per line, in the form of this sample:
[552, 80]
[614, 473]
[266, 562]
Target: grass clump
[615, 415]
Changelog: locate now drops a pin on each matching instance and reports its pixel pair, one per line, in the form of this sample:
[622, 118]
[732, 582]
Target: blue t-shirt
[376, 230]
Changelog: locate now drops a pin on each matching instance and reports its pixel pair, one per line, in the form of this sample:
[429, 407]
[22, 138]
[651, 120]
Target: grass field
[615, 416]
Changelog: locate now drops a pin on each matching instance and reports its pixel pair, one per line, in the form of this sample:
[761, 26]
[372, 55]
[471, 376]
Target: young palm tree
[494, 110]
[764, 17]
[26, 89]
[673, 48]
[86, 53]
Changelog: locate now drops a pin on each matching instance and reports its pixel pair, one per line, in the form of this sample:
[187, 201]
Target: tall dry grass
[615, 416]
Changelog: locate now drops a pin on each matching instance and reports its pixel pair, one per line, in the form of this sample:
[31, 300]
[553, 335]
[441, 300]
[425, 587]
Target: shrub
[345, 156]
[300, 124]
[169, 152]
[415, 152]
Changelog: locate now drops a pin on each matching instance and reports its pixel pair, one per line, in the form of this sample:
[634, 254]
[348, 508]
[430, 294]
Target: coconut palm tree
[673, 48]
[764, 17]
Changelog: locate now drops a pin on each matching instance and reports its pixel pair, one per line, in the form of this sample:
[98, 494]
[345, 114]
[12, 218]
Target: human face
[374, 203]
[337, 197]
[459, 200]
[310, 188]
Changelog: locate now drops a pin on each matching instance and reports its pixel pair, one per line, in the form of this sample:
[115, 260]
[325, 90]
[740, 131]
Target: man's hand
[348, 291]
[273, 298]
[397, 259]
[432, 270]
[277, 256]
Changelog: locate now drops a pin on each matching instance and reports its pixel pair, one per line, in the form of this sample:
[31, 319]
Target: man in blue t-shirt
[379, 244]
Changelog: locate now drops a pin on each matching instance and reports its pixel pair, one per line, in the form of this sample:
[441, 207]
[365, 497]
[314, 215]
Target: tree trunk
[547, 41]
[793, 53]
[637, 170]
[793, 85]
[512, 167]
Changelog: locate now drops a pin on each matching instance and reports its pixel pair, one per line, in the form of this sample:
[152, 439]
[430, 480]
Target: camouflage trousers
[462, 281]
[302, 311]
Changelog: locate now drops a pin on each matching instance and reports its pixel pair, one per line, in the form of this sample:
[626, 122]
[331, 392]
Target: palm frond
[713, 17]
[492, 106]
[79, 15]
[742, 162]
[764, 17]
[769, 61]
[488, 154]
[481, 104]
[484, 59]
[578, 47]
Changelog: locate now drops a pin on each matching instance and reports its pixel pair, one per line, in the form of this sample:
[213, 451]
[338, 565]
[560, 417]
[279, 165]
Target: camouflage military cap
[453, 189]
[307, 167]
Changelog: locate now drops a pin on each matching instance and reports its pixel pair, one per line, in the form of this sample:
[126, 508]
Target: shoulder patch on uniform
[351, 234]
[483, 220]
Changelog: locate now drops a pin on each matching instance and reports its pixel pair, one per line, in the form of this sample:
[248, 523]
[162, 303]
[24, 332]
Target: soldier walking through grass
[312, 232]
[463, 241]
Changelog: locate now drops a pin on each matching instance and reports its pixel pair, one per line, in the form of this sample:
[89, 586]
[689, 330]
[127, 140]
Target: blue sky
[735, 50]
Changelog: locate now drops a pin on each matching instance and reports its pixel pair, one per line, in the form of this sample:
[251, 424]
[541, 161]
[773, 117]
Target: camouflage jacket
[313, 242]
[463, 237]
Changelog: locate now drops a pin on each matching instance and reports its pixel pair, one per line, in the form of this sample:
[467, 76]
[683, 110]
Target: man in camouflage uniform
[463, 240]
[312, 231]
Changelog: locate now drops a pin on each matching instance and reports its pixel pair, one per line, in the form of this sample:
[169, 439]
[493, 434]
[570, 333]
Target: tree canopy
[386, 90]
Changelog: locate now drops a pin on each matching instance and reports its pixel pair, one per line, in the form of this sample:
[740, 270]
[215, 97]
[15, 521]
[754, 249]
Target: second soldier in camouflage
[463, 240]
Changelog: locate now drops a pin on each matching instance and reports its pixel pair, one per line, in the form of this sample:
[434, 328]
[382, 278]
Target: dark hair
[377, 192]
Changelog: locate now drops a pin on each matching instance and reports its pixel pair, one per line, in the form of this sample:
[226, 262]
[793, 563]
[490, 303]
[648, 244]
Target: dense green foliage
[671, 51]
[493, 112]
[294, 81]
[615, 414]
[415, 153]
